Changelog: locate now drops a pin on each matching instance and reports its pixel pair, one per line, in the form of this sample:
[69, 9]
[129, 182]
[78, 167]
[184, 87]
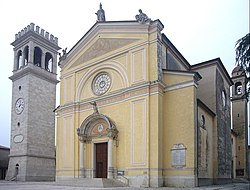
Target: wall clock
[19, 107]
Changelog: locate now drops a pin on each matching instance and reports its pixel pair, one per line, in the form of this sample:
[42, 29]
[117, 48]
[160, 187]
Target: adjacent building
[240, 121]
[4, 161]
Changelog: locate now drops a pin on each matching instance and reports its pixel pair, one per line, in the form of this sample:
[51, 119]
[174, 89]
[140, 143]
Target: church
[132, 110]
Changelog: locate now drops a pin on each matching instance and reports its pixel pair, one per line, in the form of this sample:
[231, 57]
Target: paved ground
[4, 185]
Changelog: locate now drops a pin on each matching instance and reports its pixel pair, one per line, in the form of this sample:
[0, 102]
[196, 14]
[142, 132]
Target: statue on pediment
[100, 14]
[142, 17]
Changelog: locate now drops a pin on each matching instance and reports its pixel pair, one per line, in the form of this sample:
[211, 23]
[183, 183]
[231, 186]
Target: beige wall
[143, 109]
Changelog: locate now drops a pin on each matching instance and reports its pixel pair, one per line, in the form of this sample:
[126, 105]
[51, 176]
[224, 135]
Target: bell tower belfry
[34, 79]
[240, 120]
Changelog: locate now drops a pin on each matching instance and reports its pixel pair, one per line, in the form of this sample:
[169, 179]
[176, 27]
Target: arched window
[26, 55]
[223, 97]
[203, 121]
[19, 59]
[48, 62]
[37, 56]
[238, 88]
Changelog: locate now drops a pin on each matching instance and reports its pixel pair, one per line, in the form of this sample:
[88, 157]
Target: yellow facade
[145, 114]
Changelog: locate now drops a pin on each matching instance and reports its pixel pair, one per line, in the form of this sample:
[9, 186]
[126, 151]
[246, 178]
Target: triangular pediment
[102, 46]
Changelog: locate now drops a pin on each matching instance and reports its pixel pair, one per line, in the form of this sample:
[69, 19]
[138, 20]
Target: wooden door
[101, 160]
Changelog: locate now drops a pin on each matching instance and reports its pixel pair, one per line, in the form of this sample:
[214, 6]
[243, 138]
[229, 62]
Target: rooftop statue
[142, 17]
[100, 14]
[62, 57]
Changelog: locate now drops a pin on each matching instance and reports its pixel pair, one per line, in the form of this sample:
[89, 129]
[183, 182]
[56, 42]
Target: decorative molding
[181, 85]
[135, 91]
[68, 138]
[101, 47]
[68, 89]
[89, 128]
[138, 131]
[138, 75]
[107, 58]
[98, 68]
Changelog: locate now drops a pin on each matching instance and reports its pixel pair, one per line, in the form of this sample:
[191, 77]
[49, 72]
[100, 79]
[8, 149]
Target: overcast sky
[200, 29]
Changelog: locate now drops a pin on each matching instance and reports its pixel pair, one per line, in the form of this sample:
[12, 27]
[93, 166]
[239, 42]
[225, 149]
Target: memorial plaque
[178, 155]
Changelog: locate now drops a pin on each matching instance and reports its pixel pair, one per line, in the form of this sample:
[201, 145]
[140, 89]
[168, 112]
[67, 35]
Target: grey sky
[200, 29]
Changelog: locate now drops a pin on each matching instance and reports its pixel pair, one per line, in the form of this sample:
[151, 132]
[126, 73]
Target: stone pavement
[6, 185]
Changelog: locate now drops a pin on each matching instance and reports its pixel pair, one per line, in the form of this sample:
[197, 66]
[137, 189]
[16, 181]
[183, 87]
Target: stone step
[91, 182]
[240, 180]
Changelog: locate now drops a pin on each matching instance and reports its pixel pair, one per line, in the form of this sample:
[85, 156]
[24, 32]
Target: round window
[101, 83]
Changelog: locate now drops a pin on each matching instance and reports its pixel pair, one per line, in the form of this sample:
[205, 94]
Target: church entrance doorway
[101, 160]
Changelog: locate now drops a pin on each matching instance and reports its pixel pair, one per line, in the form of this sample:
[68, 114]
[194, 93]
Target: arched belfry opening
[37, 56]
[19, 59]
[48, 62]
[26, 55]
[98, 126]
[238, 88]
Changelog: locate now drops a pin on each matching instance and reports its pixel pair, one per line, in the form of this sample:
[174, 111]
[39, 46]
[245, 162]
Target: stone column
[93, 161]
[54, 63]
[110, 159]
[23, 58]
[81, 160]
[15, 67]
[43, 60]
[31, 53]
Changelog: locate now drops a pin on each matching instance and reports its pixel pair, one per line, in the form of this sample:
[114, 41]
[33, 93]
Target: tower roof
[37, 33]
[238, 68]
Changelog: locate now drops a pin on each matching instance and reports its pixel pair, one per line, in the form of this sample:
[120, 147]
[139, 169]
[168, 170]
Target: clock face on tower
[101, 83]
[19, 107]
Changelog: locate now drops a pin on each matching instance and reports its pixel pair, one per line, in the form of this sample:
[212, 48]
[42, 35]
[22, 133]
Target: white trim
[182, 73]
[180, 86]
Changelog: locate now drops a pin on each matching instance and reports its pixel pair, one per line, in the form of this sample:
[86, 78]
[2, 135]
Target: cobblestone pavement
[4, 185]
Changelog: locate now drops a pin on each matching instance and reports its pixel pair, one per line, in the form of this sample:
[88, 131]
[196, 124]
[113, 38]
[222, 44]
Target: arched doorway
[98, 126]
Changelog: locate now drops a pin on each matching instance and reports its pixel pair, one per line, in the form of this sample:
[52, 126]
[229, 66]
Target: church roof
[220, 65]
[177, 52]
[3, 147]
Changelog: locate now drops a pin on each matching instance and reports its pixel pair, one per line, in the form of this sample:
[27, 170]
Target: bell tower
[240, 120]
[34, 79]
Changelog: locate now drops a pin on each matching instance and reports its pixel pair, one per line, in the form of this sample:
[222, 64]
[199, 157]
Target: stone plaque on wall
[178, 152]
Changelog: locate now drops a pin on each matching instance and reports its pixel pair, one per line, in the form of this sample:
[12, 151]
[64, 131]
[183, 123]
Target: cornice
[149, 88]
[35, 70]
